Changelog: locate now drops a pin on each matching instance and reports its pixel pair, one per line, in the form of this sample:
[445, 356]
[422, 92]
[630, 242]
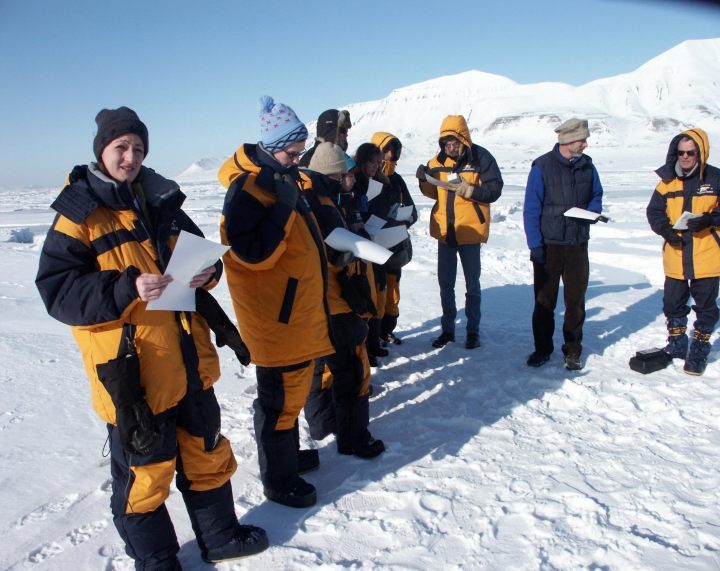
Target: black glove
[225, 331]
[135, 422]
[286, 189]
[421, 172]
[339, 259]
[671, 237]
[355, 290]
[699, 223]
[537, 255]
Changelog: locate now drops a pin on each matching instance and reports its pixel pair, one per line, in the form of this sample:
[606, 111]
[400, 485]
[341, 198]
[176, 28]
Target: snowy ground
[490, 464]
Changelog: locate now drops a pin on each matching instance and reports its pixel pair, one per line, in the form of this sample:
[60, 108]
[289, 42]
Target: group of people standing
[312, 319]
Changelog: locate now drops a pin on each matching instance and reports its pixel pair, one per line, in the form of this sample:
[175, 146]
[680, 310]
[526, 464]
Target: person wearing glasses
[460, 219]
[559, 180]
[332, 127]
[278, 280]
[691, 254]
[151, 372]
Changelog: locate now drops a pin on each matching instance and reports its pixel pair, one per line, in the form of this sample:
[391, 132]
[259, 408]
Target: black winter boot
[677, 341]
[247, 540]
[696, 359]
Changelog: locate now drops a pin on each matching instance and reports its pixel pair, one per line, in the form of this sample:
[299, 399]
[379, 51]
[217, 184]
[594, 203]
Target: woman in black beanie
[151, 372]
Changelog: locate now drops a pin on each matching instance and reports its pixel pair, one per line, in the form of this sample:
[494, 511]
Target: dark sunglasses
[688, 153]
[293, 155]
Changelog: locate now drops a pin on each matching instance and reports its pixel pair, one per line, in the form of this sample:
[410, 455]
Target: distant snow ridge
[202, 170]
[632, 116]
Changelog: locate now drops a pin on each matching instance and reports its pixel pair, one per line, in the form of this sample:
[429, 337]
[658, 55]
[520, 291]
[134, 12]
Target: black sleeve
[407, 200]
[492, 182]
[74, 291]
[253, 231]
[657, 214]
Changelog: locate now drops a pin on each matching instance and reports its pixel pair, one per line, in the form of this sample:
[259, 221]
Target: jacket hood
[456, 126]
[381, 139]
[700, 137]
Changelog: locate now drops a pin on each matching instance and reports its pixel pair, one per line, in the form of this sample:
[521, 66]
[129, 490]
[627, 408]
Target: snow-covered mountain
[632, 115]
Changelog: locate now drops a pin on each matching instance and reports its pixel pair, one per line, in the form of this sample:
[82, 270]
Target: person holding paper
[151, 372]
[460, 219]
[394, 198]
[351, 301]
[558, 181]
[278, 279]
[691, 257]
[369, 185]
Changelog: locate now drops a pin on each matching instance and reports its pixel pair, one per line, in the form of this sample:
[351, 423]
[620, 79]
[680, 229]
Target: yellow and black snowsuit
[396, 195]
[351, 298]
[697, 258]
[104, 236]
[277, 275]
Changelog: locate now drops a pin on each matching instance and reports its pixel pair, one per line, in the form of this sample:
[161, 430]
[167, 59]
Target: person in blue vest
[560, 180]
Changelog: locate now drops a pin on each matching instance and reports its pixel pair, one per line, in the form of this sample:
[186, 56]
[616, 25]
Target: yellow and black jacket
[455, 220]
[277, 265]
[103, 237]
[699, 254]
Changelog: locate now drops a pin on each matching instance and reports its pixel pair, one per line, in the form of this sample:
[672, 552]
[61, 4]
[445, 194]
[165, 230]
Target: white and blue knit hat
[279, 126]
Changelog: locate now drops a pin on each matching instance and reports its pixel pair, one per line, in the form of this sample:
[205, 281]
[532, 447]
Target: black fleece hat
[330, 121]
[112, 123]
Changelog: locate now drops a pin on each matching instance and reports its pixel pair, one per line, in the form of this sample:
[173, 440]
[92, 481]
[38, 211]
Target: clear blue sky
[194, 69]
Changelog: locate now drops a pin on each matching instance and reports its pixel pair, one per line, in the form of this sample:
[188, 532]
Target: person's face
[453, 147]
[290, 155]
[342, 139]
[576, 148]
[370, 168]
[687, 155]
[348, 181]
[388, 156]
[123, 157]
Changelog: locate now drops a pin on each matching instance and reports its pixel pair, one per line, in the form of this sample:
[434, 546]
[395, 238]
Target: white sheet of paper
[191, 255]
[389, 237]
[681, 223]
[373, 224]
[374, 188]
[436, 181]
[576, 212]
[345, 241]
[404, 213]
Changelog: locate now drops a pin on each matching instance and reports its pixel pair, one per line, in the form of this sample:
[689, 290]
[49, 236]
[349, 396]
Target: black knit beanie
[112, 123]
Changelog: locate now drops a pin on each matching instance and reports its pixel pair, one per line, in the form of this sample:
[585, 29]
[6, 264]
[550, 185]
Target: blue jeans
[447, 273]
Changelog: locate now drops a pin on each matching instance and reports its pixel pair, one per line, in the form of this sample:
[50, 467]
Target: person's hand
[699, 223]
[462, 188]
[671, 237]
[203, 277]
[421, 173]
[537, 255]
[286, 189]
[151, 286]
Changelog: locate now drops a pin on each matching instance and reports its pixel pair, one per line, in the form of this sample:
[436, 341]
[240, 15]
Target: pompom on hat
[572, 130]
[279, 126]
[328, 159]
[113, 123]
